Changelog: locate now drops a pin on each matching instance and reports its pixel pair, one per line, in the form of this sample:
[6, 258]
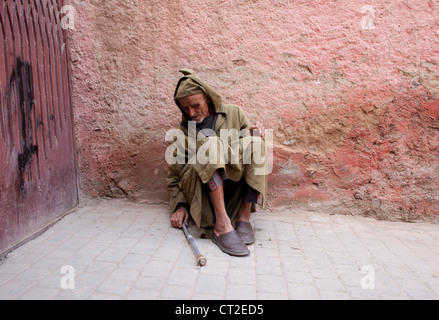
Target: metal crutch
[201, 260]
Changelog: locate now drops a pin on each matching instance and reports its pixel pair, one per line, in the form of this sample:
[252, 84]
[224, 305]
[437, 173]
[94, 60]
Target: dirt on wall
[350, 91]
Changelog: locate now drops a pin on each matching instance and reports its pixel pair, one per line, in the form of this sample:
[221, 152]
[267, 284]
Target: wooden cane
[201, 260]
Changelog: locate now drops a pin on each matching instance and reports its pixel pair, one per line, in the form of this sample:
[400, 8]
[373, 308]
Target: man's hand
[179, 217]
[258, 130]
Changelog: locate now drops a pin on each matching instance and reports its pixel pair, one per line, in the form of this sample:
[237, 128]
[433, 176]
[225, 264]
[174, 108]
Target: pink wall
[352, 104]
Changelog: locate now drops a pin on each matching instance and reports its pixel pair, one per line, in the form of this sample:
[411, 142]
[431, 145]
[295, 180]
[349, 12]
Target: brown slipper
[246, 232]
[231, 244]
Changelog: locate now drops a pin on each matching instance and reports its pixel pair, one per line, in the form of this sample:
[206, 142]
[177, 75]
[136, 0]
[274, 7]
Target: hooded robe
[186, 182]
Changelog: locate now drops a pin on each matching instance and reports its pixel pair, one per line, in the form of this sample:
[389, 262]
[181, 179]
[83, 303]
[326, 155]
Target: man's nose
[191, 113]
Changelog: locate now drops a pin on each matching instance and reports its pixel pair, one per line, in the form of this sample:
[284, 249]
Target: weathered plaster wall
[353, 104]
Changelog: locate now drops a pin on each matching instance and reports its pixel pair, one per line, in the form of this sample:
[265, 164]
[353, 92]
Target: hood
[215, 98]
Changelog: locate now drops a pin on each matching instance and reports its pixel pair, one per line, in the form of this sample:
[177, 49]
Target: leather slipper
[246, 232]
[231, 244]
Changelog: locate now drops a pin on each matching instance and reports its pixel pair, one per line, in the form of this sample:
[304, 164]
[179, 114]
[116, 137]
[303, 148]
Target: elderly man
[219, 194]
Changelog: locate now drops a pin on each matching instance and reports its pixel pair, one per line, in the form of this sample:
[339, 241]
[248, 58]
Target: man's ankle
[244, 212]
[223, 228]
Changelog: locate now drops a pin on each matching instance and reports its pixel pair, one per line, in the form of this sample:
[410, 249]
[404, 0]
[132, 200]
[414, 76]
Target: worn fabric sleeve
[176, 196]
[243, 119]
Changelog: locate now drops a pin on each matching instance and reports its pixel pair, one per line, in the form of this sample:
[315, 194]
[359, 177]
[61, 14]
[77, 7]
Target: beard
[198, 119]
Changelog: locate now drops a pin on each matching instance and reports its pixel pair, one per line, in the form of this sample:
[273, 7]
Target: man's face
[196, 107]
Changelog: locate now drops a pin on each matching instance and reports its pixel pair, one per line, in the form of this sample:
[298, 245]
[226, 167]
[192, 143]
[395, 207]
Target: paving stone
[174, 292]
[104, 296]
[134, 261]
[240, 292]
[272, 296]
[333, 295]
[93, 248]
[157, 268]
[303, 291]
[137, 294]
[115, 286]
[37, 293]
[112, 254]
[183, 276]
[210, 284]
[271, 284]
[124, 274]
[245, 276]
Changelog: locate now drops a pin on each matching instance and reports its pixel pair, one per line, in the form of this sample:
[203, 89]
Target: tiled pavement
[121, 250]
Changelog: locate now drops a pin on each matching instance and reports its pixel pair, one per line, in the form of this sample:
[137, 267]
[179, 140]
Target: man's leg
[225, 236]
[223, 224]
[244, 213]
[243, 226]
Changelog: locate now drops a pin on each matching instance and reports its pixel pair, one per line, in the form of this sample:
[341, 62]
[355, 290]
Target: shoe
[231, 244]
[246, 232]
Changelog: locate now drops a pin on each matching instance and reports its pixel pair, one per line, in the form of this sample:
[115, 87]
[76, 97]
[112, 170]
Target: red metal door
[38, 178]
